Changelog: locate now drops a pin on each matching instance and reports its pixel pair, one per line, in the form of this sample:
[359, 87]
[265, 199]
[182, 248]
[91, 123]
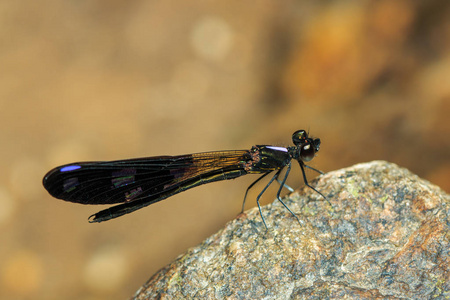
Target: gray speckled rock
[386, 235]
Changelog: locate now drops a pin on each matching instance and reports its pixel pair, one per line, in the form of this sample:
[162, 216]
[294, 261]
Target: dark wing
[140, 182]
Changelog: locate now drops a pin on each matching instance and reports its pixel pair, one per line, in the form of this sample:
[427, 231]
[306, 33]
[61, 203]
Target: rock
[383, 234]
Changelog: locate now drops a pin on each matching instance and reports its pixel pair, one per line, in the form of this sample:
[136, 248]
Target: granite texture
[384, 234]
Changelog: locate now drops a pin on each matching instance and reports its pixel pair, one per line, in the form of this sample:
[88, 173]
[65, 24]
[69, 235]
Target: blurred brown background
[103, 80]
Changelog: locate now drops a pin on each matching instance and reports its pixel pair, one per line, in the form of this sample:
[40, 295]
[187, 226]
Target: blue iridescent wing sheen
[144, 179]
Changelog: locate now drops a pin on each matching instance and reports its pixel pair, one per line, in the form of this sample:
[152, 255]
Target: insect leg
[306, 181]
[281, 187]
[262, 192]
[311, 168]
[249, 187]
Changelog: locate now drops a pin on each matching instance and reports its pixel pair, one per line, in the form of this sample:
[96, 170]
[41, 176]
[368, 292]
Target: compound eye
[316, 143]
[307, 152]
[299, 137]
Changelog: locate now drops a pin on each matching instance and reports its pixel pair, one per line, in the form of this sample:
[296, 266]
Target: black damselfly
[139, 182]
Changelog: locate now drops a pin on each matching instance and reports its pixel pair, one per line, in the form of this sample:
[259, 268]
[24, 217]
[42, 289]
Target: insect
[139, 182]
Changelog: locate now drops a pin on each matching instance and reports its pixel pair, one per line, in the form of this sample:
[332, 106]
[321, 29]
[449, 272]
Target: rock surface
[383, 234]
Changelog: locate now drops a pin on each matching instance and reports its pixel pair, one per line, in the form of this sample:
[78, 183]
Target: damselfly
[139, 182]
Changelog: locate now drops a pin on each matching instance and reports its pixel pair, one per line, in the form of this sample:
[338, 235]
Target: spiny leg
[306, 181]
[262, 192]
[281, 187]
[285, 185]
[249, 187]
[311, 168]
